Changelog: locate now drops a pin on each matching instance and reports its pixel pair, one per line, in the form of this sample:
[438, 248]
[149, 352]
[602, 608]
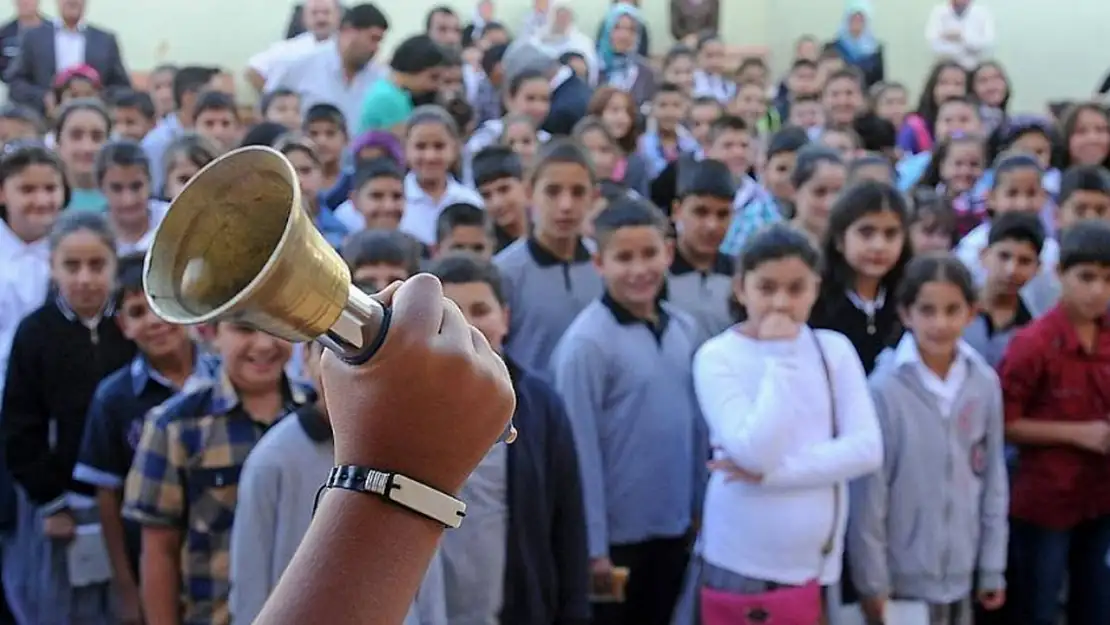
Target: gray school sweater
[991, 342]
[544, 295]
[629, 392]
[277, 490]
[704, 295]
[934, 519]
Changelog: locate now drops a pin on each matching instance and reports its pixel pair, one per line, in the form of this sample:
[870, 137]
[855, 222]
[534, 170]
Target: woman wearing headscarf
[622, 65]
[644, 47]
[857, 44]
[559, 35]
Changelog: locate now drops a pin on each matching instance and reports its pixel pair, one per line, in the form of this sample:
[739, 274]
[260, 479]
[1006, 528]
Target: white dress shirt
[158, 210]
[285, 51]
[976, 28]
[69, 46]
[422, 211]
[945, 390]
[24, 282]
[318, 76]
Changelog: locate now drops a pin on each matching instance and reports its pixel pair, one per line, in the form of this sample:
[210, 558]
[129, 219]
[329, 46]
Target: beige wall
[1051, 53]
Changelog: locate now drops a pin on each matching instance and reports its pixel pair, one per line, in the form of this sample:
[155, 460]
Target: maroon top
[1047, 376]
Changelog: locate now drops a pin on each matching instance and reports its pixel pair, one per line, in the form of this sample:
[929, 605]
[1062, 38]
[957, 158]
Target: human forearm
[1043, 433]
[161, 581]
[111, 524]
[352, 535]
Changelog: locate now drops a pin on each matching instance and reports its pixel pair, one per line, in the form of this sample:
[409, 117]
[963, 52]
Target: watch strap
[399, 490]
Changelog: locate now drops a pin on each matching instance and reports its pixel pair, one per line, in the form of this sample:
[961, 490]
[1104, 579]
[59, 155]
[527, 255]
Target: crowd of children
[780, 349]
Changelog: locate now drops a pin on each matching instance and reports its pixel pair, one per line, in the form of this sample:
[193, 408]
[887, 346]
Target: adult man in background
[962, 31]
[338, 73]
[321, 22]
[58, 45]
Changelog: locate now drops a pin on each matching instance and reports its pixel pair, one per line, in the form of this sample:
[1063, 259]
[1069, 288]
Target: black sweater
[55, 365]
[869, 337]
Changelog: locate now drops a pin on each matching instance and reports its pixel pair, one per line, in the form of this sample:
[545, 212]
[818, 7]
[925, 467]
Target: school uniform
[57, 361]
[186, 475]
[636, 77]
[757, 537]
[932, 523]
[714, 86]
[657, 157]
[628, 388]
[422, 210]
[570, 97]
[704, 295]
[521, 557]
[1040, 294]
[24, 281]
[280, 482]
[1060, 497]
[544, 294]
[991, 342]
[870, 326]
[115, 422]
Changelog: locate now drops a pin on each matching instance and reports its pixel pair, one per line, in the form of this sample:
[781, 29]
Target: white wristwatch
[400, 490]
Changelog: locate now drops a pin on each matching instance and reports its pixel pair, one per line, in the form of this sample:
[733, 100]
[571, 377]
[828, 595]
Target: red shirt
[1047, 376]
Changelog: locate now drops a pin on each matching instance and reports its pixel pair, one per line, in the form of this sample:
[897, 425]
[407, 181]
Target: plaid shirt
[759, 211]
[186, 476]
[487, 101]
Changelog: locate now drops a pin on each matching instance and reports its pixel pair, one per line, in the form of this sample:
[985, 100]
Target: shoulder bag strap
[830, 542]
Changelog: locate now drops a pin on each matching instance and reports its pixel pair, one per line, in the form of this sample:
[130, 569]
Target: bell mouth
[220, 235]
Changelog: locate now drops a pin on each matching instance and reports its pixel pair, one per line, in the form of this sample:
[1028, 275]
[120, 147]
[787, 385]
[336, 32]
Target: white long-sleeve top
[976, 27]
[768, 408]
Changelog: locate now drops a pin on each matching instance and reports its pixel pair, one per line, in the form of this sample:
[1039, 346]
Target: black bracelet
[398, 490]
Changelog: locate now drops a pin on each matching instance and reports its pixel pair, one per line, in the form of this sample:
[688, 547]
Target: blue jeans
[1042, 560]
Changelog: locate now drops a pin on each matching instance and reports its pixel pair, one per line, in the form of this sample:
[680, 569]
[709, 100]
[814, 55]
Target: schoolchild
[377, 198]
[82, 126]
[770, 440]
[464, 227]
[549, 276]
[432, 149]
[378, 258]
[522, 553]
[916, 533]
[818, 177]
[865, 251]
[123, 175]
[59, 355]
[168, 362]
[1017, 187]
[1054, 389]
[623, 368]
[699, 282]
[1010, 260]
[499, 177]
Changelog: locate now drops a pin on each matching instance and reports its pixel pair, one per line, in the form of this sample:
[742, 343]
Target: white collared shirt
[945, 390]
[69, 46]
[714, 86]
[319, 78]
[158, 210]
[286, 51]
[422, 211]
[976, 28]
[24, 282]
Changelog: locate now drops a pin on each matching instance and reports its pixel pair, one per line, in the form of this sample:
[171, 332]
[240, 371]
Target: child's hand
[873, 608]
[778, 327]
[992, 600]
[734, 471]
[1093, 436]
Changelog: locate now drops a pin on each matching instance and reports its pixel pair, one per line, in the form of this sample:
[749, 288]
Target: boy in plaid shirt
[183, 484]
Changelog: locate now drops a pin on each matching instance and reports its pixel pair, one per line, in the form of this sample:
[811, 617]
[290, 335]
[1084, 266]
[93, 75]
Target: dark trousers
[655, 573]
[1040, 561]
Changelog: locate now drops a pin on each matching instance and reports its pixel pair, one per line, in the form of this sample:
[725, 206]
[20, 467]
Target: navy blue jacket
[546, 561]
[568, 105]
